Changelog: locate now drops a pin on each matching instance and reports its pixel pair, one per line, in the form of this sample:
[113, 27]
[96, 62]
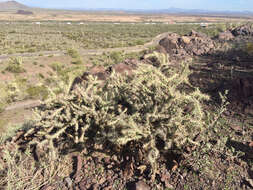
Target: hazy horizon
[214, 5]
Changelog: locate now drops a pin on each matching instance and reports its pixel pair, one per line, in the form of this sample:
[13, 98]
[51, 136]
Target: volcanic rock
[194, 43]
[103, 73]
[244, 30]
[225, 36]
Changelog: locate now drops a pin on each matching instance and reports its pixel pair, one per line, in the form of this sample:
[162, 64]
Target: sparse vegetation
[39, 91]
[15, 65]
[249, 48]
[152, 124]
[25, 37]
[73, 53]
[18, 176]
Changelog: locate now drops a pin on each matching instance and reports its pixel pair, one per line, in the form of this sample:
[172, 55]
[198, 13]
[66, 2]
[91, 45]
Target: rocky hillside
[11, 6]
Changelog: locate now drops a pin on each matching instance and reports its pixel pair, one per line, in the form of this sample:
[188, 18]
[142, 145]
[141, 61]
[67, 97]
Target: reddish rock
[103, 73]
[225, 36]
[182, 46]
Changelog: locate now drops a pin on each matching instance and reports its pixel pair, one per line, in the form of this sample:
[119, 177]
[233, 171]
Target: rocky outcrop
[194, 43]
[102, 73]
[244, 30]
[225, 36]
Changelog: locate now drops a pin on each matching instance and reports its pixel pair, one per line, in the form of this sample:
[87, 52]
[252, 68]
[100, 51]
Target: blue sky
[233, 5]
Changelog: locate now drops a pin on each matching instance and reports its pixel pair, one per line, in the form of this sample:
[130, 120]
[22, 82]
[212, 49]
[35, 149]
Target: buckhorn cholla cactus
[140, 108]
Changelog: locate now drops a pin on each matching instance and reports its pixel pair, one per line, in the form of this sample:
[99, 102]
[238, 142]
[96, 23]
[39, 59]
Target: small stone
[185, 39]
[110, 166]
[115, 158]
[141, 186]
[94, 181]
[68, 181]
[107, 160]
[82, 185]
[236, 127]
[102, 180]
[95, 187]
[168, 185]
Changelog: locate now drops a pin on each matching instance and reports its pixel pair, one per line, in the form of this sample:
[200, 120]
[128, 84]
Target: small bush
[11, 92]
[249, 48]
[140, 42]
[57, 66]
[77, 61]
[3, 105]
[15, 65]
[73, 53]
[116, 57]
[31, 50]
[37, 92]
[40, 75]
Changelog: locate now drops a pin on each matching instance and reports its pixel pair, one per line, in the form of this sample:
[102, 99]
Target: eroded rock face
[170, 43]
[194, 43]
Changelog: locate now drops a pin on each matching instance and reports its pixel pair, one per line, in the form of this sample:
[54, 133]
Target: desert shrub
[3, 95]
[40, 75]
[116, 57]
[3, 104]
[3, 124]
[77, 61]
[73, 53]
[19, 171]
[15, 65]
[146, 108]
[39, 91]
[140, 42]
[19, 89]
[61, 83]
[249, 48]
[31, 50]
[13, 91]
[57, 66]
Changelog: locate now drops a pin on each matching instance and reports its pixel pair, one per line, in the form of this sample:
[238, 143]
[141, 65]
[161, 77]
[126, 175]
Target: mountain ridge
[12, 6]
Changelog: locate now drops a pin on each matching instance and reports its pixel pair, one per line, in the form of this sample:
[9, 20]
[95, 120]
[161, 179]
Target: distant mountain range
[14, 6]
[174, 10]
